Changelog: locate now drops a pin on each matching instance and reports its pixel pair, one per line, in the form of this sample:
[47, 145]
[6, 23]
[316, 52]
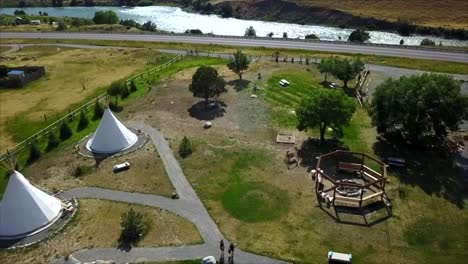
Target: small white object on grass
[253, 96]
[121, 166]
[207, 124]
[292, 112]
[329, 129]
[172, 102]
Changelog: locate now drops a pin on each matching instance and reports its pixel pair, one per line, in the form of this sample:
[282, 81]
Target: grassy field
[270, 210]
[72, 75]
[417, 64]
[63, 172]
[449, 13]
[86, 231]
[418, 233]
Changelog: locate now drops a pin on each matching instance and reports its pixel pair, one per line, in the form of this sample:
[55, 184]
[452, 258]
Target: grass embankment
[409, 63]
[97, 225]
[64, 148]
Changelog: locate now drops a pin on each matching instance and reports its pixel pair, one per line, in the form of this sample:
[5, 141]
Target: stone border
[51, 235]
[83, 151]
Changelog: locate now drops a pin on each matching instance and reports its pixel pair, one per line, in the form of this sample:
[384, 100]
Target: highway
[247, 42]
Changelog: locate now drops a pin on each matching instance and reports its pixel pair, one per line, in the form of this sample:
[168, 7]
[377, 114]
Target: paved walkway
[188, 206]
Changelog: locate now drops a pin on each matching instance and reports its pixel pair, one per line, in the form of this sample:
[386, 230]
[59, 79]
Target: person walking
[221, 245]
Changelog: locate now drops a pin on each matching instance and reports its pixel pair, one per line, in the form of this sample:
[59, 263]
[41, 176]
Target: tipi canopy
[25, 209]
[111, 135]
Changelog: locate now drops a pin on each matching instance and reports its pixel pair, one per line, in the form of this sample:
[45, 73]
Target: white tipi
[111, 135]
[24, 209]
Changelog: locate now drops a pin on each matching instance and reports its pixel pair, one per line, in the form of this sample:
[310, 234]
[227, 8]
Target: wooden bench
[372, 196]
[370, 174]
[349, 167]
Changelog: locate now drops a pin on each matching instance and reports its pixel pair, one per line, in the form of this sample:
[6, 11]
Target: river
[173, 19]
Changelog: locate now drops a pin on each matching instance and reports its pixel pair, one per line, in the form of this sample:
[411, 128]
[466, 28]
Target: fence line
[85, 107]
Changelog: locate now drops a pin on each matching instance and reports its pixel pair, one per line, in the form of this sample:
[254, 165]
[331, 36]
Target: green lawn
[243, 181]
[20, 122]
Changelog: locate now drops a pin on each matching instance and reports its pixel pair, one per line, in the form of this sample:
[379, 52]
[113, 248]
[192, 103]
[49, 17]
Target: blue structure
[18, 74]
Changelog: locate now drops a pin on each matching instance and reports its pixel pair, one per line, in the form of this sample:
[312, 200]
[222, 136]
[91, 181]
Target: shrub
[148, 26]
[311, 36]
[81, 170]
[250, 32]
[129, 23]
[359, 35]
[19, 12]
[61, 26]
[53, 141]
[285, 35]
[105, 17]
[185, 148]
[125, 92]
[133, 86]
[98, 110]
[83, 122]
[194, 31]
[65, 131]
[34, 153]
[133, 228]
[427, 42]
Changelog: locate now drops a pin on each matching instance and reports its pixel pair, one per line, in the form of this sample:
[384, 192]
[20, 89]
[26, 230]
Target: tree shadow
[433, 172]
[202, 110]
[124, 245]
[239, 85]
[311, 149]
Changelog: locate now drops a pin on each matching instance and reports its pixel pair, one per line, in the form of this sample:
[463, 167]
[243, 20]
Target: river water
[173, 19]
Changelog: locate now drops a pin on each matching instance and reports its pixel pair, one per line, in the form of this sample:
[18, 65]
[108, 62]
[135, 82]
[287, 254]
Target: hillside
[373, 14]
[434, 13]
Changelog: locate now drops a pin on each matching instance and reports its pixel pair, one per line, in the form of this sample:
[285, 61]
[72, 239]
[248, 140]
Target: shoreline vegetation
[274, 10]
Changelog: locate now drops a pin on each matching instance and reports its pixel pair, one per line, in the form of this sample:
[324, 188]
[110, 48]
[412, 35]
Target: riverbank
[414, 19]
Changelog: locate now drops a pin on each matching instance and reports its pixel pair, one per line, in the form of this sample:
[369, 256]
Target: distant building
[18, 77]
[35, 22]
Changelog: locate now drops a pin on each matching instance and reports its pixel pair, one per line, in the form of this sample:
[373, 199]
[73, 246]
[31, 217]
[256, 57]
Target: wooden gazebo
[349, 179]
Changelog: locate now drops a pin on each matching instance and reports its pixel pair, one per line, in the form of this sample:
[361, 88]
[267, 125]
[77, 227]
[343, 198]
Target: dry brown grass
[448, 13]
[146, 175]
[61, 86]
[97, 225]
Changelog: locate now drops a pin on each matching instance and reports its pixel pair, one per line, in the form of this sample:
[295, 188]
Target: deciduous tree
[418, 107]
[206, 83]
[239, 63]
[325, 108]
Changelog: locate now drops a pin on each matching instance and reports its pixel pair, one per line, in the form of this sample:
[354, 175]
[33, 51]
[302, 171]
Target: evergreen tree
[98, 110]
[83, 122]
[53, 141]
[34, 153]
[65, 131]
[185, 148]
[133, 227]
[133, 86]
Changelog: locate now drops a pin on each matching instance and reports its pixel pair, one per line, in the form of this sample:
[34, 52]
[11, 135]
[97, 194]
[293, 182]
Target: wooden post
[360, 200]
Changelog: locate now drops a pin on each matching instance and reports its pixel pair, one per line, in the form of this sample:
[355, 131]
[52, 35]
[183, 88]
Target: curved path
[188, 206]
[251, 42]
